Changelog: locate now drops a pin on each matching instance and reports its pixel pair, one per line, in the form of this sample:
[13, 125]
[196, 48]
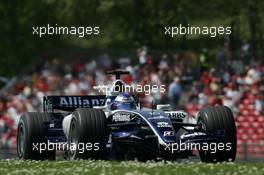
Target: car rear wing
[70, 103]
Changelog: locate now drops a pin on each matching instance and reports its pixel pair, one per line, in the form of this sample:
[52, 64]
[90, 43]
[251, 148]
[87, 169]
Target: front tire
[30, 135]
[88, 127]
[214, 118]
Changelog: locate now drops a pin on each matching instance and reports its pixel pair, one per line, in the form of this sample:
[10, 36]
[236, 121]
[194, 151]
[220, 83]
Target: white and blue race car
[117, 127]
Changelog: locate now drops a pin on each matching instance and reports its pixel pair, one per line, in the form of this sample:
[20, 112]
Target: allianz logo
[81, 102]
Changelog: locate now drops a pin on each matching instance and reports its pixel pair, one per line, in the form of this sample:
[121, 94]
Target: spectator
[175, 91]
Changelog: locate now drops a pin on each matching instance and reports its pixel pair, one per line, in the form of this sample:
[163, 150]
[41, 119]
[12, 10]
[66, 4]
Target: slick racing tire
[211, 119]
[31, 135]
[88, 133]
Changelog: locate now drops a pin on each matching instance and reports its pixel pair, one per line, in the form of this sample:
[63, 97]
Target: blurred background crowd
[192, 81]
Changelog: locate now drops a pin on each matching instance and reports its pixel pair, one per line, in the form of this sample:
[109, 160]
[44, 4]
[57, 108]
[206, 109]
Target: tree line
[125, 24]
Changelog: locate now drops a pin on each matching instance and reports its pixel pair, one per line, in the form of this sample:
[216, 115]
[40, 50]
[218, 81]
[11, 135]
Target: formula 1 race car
[115, 126]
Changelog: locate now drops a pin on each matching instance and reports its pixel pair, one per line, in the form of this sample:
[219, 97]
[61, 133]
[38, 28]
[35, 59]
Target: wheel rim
[21, 141]
[203, 127]
[73, 140]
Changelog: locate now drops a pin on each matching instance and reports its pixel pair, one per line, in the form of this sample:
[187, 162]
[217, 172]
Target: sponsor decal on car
[121, 117]
[154, 113]
[177, 115]
[80, 101]
[168, 133]
[156, 117]
[192, 135]
[163, 125]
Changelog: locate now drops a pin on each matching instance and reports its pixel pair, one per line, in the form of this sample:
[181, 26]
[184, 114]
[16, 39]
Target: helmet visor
[126, 105]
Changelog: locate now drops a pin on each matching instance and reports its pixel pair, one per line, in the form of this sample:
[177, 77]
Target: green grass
[127, 168]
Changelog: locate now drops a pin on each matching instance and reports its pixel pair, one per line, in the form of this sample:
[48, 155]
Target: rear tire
[219, 117]
[88, 127]
[31, 133]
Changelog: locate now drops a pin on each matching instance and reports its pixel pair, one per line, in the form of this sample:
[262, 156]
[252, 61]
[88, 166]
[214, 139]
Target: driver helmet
[124, 101]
